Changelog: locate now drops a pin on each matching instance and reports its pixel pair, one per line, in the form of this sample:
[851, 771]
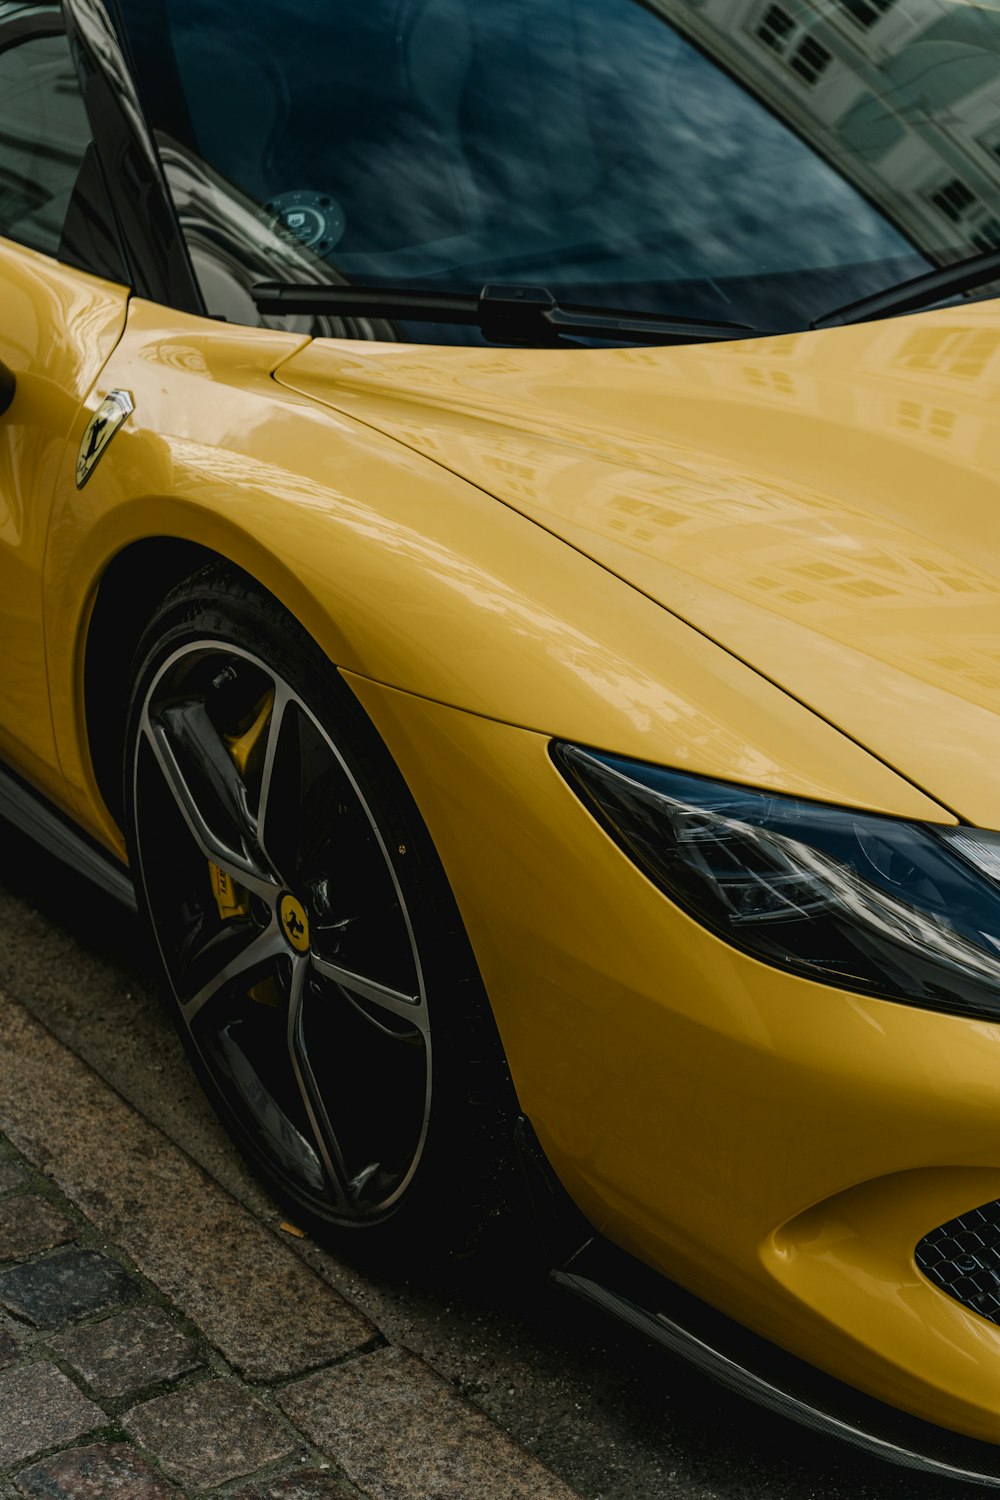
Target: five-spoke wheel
[272, 845]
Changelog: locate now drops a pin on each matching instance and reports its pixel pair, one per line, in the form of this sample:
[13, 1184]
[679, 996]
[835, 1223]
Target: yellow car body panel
[405, 574]
[843, 483]
[57, 328]
[775, 1145]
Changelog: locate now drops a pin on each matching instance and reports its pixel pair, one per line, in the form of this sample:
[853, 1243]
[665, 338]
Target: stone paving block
[29, 1225]
[266, 1312]
[40, 1408]
[209, 1433]
[307, 1484]
[12, 1174]
[10, 1349]
[102, 1471]
[65, 1287]
[130, 1350]
[269, 1315]
[400, 1432]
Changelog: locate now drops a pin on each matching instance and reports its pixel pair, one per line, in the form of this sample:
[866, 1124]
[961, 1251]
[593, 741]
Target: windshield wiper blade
[505, 314]
[921, 291]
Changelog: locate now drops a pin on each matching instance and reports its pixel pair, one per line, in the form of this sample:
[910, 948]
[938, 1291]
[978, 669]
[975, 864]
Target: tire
[311, 950]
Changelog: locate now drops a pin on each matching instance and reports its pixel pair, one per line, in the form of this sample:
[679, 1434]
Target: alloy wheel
[283, 930]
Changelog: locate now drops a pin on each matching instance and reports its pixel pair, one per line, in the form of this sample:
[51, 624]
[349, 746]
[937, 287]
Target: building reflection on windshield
[904, 95]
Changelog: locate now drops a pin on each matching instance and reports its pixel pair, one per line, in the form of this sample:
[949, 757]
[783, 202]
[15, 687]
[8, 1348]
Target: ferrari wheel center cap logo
[294, 922]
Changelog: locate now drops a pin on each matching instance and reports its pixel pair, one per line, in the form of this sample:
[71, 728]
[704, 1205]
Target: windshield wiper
[505, 314]
[921, 291]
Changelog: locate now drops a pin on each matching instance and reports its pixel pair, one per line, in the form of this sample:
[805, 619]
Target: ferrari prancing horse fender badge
[101, 428]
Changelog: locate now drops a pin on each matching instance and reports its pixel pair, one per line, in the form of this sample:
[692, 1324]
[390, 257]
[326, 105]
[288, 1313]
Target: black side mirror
[7, 384]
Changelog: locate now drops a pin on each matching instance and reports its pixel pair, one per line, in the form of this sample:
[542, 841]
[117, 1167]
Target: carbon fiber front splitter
[617, 1284]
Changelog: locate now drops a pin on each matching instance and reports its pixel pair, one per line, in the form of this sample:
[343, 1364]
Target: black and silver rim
[283, 930]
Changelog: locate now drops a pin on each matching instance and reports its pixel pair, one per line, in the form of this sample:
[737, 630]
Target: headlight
[903, 910]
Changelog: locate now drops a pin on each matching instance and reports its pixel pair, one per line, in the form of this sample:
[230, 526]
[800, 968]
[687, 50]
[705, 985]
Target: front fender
[405, 574]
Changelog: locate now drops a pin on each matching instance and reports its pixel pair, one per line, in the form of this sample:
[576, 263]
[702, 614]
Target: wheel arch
[97, 611]
[119, 614]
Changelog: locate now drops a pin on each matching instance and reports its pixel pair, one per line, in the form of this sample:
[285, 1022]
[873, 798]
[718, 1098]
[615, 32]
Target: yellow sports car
[500, 552]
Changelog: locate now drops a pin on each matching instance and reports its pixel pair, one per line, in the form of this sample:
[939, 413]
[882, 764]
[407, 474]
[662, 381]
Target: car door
[62, 310]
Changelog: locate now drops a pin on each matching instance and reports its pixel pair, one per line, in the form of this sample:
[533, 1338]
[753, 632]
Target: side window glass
[52, 197]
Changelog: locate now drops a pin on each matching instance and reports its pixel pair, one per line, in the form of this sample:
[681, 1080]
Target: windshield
[720, 159]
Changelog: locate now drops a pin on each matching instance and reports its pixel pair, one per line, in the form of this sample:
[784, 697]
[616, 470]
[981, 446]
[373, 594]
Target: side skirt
[30, 813]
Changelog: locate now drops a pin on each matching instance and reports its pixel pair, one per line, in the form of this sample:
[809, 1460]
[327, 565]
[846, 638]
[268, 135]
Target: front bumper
[777, 1147]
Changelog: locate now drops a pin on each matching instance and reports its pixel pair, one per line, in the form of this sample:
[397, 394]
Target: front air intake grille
[963, 1259]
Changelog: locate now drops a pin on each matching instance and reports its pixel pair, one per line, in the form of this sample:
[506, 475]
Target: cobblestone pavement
[157, 1341]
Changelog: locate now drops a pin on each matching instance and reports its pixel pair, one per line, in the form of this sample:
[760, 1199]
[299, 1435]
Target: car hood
[825, 506]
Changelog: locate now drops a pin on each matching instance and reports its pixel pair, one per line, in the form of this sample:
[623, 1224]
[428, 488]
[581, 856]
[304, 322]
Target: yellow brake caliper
[231, 898]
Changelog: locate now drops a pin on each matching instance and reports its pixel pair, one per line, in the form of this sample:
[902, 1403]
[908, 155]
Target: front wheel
[312, 952]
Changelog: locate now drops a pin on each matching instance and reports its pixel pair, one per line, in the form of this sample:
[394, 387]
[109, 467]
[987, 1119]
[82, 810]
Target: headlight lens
[903, 910]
